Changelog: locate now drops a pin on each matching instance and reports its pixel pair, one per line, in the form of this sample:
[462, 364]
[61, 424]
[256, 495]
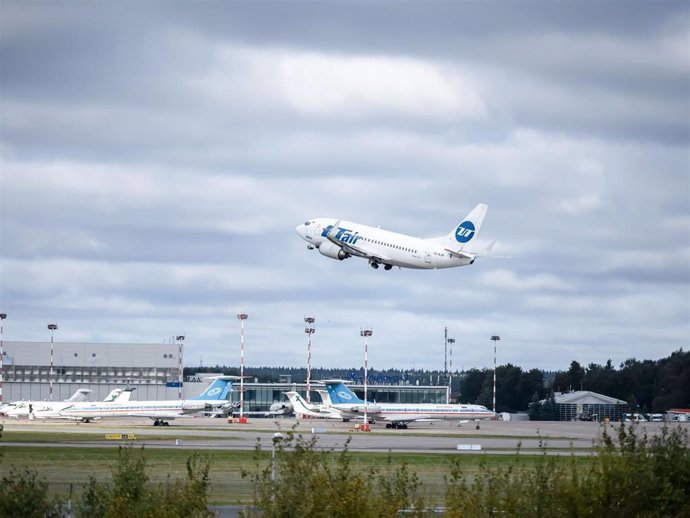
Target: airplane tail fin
[124, 395]
[466, 232]
[298, 404]
[340, 393]
[80, 395]
[325, 397]
[218, 390]
[113, 394]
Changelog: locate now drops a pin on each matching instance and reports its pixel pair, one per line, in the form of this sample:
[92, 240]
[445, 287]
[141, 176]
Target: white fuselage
[152, 409]
[393, 248]
[415, 411]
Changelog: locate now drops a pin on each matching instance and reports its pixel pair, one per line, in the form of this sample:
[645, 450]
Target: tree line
[647, 385]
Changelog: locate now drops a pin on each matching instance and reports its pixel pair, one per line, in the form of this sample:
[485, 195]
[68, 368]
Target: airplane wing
[351, 249]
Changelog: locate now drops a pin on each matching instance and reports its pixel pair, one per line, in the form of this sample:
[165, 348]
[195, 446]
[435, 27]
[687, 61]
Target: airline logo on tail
[217, 390]
[464, 232]
[344, 395]
[340, 393]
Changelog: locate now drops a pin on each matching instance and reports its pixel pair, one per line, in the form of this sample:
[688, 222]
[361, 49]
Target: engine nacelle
[333, 251]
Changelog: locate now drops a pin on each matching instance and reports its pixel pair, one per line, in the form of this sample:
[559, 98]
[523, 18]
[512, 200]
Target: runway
[528, 437]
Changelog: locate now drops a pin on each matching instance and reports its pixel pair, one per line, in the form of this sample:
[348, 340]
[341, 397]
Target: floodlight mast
[3, 316]
[366, 333]
[53, 328]
[180, 348]
[494, 339]
[242, 317]
[309, 329]
[450, 342]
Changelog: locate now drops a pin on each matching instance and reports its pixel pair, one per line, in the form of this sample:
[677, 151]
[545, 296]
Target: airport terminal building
[155, 371]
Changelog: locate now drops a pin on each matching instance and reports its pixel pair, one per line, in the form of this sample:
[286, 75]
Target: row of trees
[648, 385]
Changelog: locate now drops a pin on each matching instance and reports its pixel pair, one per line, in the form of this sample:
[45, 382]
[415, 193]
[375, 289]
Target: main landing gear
[375, 265]
[160, 422]
[397, 426]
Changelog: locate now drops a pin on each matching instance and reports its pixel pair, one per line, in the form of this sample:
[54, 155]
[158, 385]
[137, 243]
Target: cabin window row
[403, 248]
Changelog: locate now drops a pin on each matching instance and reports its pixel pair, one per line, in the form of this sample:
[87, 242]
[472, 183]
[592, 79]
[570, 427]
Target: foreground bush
[312, 483]
[24, 495]
[132, 495]
[632, 475]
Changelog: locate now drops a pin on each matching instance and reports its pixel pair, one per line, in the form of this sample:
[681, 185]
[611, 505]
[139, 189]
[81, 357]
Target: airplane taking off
[340, 239]
[214, 396]
[398, 415]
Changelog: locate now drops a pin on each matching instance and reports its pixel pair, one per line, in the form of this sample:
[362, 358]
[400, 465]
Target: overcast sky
[157, 157]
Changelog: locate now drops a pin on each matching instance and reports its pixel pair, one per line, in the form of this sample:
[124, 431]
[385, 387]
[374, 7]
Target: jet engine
[333, 251]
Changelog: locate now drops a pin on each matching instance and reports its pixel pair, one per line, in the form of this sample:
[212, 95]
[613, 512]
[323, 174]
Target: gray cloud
[156, 159]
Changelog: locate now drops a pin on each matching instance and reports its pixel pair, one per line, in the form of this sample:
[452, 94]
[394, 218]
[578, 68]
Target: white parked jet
[398, 415]
[52, 412]
[31, 409]
[339, 240]
[301, 407]
[213, 397]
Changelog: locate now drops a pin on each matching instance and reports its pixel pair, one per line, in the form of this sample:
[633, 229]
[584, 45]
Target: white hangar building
[154, 369]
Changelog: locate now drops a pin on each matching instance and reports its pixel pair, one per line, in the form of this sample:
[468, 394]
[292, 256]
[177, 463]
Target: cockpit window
[307, 223]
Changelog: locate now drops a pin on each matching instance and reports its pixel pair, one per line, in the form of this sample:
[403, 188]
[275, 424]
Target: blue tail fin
[341, 394]
[219, 389]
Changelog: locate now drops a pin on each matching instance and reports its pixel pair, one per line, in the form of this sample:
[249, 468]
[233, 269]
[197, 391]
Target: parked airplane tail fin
[124, 395]
[340, 393]
[219, 389]
[80, 395]
[466, 232]
[113, 394]
[298, 404]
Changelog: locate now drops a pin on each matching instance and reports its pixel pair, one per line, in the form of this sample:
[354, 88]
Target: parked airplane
[214, 396]
[340, 239]
[116, 395]
[280, 408]
[398, 415]
[300, 406]
[29, 409]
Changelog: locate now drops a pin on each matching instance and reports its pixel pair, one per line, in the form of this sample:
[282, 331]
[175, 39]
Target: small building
[584, 405]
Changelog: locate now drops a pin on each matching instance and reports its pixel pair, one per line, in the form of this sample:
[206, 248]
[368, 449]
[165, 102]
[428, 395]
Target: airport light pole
[366, 333]
[309, 329]
[445, 352]
[242, 317]
[180, 347]
[3, 316]
[494, 339]
[450, 342]
[53, 328]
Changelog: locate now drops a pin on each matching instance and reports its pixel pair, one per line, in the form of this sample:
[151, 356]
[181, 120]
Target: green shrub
[315, 483]
[132, 495]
